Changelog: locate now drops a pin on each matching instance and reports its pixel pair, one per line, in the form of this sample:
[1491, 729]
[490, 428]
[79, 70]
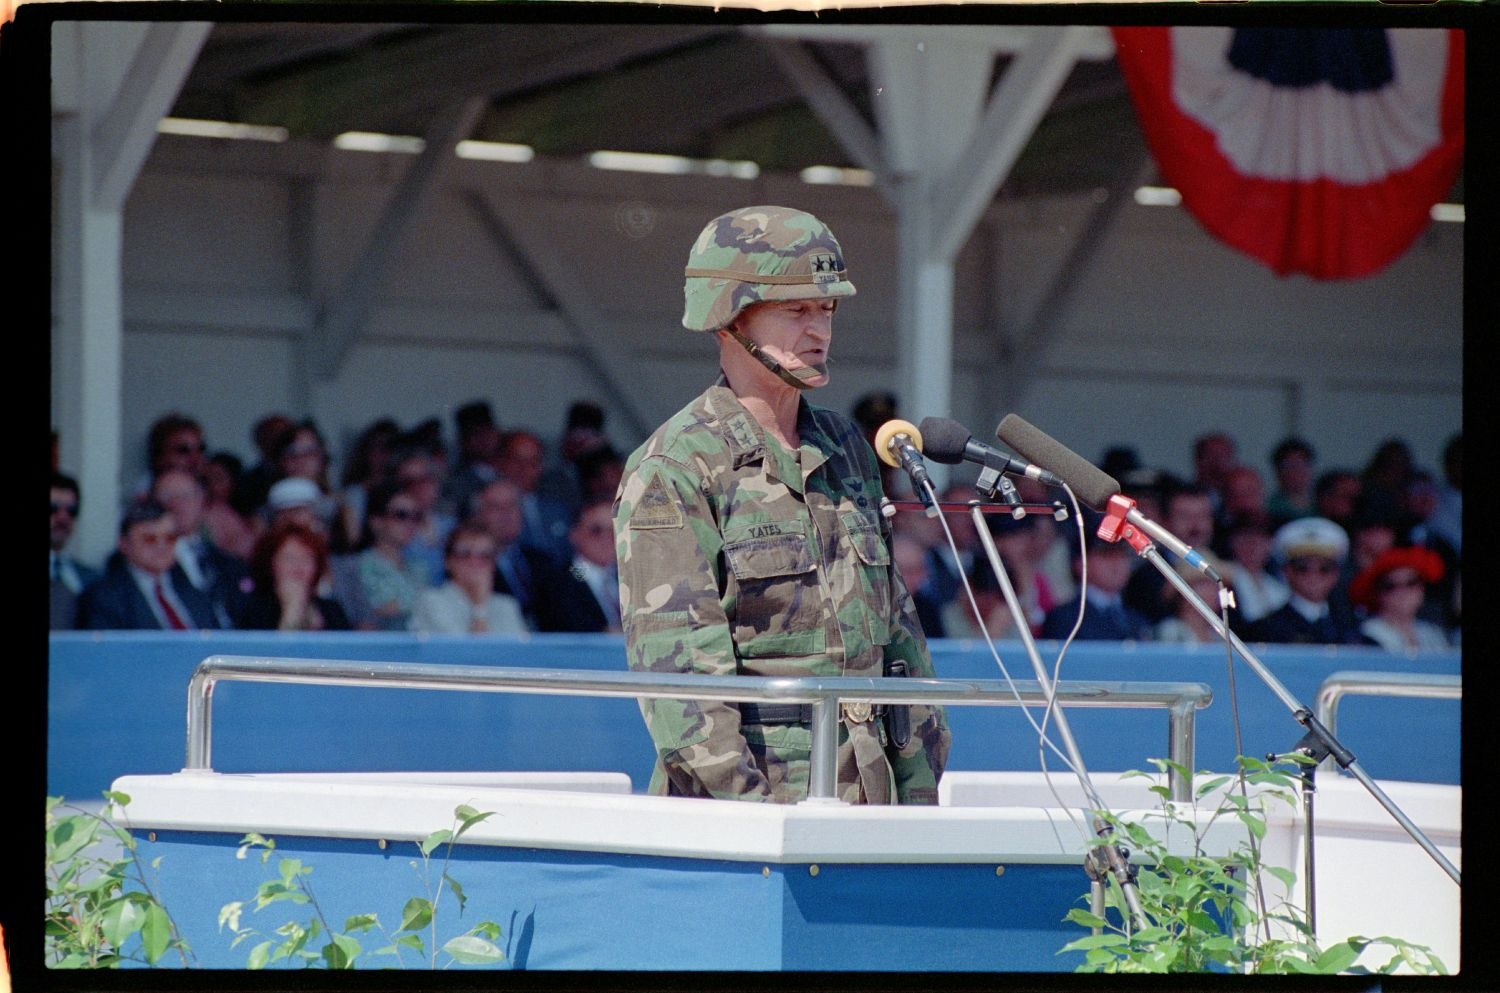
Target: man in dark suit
[585, 596]
[69, 575]
[1311, 551]
[143, 587]
[1105, 616]
[222, 576]
[499, 506]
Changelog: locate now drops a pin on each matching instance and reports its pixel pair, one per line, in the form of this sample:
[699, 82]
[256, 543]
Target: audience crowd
[494, 529]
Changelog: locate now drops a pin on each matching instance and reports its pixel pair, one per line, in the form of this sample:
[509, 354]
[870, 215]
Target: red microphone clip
[1114, 526]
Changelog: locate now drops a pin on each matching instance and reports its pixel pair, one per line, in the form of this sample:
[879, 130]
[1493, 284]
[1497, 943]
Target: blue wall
[117, 704]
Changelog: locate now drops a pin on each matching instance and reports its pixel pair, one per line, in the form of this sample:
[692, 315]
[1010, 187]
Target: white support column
[87, 398]
[111, 84]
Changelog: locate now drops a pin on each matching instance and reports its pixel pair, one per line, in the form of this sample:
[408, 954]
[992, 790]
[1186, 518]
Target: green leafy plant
[315, 942]
[98, 901]
[1212, 912]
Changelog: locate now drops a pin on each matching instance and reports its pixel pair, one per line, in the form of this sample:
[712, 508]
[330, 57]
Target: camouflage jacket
[738, 556]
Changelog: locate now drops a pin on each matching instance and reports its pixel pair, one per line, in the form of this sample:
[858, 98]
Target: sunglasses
[71, 509]
[1324, 566]
[402, 514]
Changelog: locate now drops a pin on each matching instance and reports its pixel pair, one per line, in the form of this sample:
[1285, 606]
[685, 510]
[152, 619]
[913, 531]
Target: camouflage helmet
[760, 253]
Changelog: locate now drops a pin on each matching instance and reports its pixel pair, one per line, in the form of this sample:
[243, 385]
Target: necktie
[174, 619]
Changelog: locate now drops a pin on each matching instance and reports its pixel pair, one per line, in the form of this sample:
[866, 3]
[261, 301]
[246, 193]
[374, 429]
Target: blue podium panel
[602, 911]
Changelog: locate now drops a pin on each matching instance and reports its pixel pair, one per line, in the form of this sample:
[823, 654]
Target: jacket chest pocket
[874, 573]
[778, 609]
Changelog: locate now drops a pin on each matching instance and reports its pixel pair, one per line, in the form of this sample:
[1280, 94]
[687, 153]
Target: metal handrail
[1428, 686]
[1181, 700]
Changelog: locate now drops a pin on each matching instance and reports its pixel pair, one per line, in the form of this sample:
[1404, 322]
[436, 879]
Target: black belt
[776, 713]
[785, 713]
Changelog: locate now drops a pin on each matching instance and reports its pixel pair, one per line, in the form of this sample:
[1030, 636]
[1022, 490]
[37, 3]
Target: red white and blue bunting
[1316, 151]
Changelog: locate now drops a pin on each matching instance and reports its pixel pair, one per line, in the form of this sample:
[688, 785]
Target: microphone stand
[1319, 742]
[1106, 858]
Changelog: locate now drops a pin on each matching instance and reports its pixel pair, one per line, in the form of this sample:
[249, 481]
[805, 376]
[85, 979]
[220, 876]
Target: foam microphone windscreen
[944, 439]
[889, 430]
[1093, 485]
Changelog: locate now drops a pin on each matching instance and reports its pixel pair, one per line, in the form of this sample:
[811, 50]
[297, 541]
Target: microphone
[1093, 485]
[949, 442]
[899, 444]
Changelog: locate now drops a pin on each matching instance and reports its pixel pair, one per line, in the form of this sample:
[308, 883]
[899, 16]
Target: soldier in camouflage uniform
[751, 539]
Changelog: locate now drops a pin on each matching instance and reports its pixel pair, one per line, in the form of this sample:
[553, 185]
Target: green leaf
[472, 950]
[1337, 957]
[1096, 941]
[361, 922]
[341, 952]
[156, 933]
[458, 891]
[230, 914]
[116, 797]
[122, 918]
[1203, 789]
[290, 869]
[471, 817]
[416, 914]
[487, 929]
[259, 956]
[70, 837]
[1084, 917]
[1288, 877]
[435, 839]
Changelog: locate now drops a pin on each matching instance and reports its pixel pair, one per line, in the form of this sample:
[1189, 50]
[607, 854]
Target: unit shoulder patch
[656, 508]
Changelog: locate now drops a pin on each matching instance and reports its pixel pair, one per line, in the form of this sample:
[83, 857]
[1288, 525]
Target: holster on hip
[897, 717]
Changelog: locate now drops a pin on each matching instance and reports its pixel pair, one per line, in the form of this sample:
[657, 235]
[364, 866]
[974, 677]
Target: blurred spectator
[1214, 456]
[1390, 590]
[545, 519]
[498, 506]
[265, 434]
[1293, 462]
[1445, 523]
[1336, 496]
[1311, 552]
[585, 595]
[1105, 617]
[228, 521]
[1120, 460]
[1244, 493]
[420, 476]
[379, 588]
[467, 603]
[1186, 625]
[478, 439]
[368, 462]
[218, 575]
[583, 433]
[289, 566]
[870, 411]
[1384, 480]
[300, 453]
[1258, 589]
[69, 575]
[174, 441]
[143, 587]
[1019, 550]
[427, 435]
[910, 558]
[1188, 514]
[599, 472]
[294, 498]
[942, 585]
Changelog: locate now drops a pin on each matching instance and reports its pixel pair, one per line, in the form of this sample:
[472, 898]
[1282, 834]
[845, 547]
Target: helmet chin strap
[797, 379]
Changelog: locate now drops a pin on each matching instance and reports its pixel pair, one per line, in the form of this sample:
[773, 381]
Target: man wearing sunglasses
[1311, 553]
[69, 576]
